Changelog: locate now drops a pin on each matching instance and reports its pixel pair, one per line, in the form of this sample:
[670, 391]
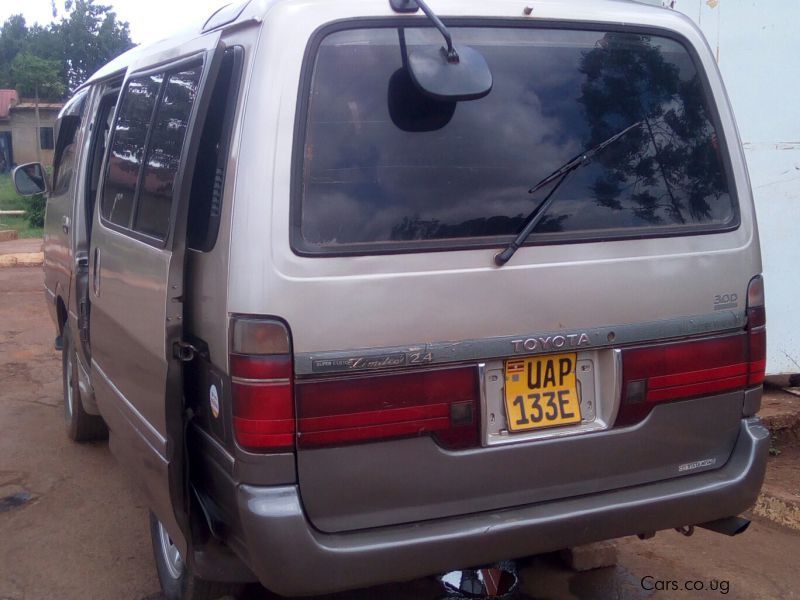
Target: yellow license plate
[542, 391]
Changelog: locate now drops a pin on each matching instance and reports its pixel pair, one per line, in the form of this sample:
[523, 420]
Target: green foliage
[86, 36]
[13, 40]
[23, 228]
[36, 77]
[91, 36]
[10, 200]
[35, 210]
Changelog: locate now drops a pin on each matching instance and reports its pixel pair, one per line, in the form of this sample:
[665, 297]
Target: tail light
[688, 369]
[439, 402]
[261, 381]
[756, 330]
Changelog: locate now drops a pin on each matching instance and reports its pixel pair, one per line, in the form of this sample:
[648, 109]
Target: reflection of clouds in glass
[555, 94]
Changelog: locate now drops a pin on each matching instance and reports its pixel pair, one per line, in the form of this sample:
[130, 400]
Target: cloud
[150, 20]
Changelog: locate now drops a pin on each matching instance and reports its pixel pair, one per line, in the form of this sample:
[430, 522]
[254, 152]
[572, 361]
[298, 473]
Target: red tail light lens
[263, 402]
[679, 371]
[758, 356]
[440, 402]
[688, 369]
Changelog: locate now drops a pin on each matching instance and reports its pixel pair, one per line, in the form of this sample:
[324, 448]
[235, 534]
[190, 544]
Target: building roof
[8, 98]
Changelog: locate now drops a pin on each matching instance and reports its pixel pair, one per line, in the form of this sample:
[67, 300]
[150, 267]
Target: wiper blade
[559, 174]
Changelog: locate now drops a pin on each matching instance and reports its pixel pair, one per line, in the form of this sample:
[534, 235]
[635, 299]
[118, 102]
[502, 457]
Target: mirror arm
[401, 36]
[450, 51]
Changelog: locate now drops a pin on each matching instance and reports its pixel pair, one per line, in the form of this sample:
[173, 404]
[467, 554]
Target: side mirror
[457, 76]
[30, 179]
[449, 73]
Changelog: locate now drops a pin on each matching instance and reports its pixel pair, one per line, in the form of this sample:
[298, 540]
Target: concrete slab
[21, 253]
[22, 259]
[24, 246]
[591, 556]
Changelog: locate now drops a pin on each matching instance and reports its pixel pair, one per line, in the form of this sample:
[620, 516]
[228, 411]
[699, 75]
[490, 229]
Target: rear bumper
[292, 558]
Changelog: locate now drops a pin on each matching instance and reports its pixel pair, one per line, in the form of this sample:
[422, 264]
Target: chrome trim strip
[482, 399]
[617, 385]
[263, 382]
[307, 363]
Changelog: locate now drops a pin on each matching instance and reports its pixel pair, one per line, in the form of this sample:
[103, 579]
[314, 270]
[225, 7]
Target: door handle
[96, 273]
[65, 223]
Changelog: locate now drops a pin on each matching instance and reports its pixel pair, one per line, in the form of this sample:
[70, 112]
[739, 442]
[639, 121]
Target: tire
[81, 426]
[177, 580]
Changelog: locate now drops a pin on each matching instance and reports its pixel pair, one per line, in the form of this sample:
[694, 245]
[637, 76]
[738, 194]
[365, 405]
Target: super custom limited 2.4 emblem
[378, 361]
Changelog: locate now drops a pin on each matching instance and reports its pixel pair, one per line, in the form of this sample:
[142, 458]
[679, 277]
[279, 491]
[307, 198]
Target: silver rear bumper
[292, 558]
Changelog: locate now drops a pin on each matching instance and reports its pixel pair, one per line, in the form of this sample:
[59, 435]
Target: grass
[10, 200]
[24, 229]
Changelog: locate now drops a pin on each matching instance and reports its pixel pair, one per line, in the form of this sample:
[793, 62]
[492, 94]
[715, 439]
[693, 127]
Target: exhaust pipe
[728, 526]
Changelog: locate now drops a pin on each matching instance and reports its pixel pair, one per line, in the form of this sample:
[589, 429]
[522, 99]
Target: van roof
[232, 14]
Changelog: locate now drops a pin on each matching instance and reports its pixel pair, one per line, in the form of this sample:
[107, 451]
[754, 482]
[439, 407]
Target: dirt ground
[80, 531]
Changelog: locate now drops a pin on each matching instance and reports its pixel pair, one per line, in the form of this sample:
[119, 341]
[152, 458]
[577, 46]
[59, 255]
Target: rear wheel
[177, 580]
[81, 426]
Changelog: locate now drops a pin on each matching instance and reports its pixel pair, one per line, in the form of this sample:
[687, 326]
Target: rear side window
[146, 150]
[384, 168]
[164, 153]
[127, 148]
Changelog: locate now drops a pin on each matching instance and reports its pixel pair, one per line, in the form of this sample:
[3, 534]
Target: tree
[36, 77]
[90, 36]
[86, 36]
[668, 168]
[13, 40]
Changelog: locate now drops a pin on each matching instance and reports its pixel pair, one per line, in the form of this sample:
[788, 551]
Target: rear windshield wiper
[559, 174]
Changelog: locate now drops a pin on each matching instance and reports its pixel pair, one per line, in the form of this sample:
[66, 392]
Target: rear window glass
[386, 168]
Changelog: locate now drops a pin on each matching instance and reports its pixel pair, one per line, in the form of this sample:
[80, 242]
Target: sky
[150, 20]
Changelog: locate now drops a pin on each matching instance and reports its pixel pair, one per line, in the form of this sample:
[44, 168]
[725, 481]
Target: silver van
[368, 290]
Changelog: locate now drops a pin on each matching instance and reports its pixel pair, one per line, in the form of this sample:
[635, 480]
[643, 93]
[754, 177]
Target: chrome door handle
[65, 223]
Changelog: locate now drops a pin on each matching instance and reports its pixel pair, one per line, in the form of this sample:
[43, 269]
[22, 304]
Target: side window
[127, 148]
[65, 152]
[164, 153]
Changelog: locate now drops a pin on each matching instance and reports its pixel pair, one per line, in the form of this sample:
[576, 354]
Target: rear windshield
[386, 168]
